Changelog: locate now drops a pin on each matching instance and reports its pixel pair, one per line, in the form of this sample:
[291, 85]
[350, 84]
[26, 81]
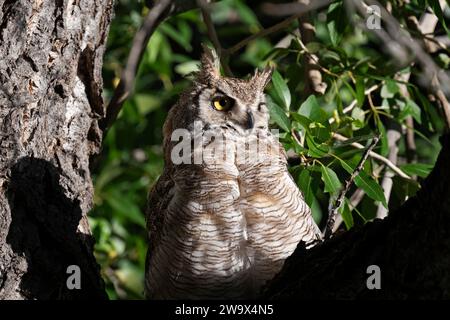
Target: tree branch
[354, 101]
[272, 9]
[374, 155]
[355, 199]
[313, 82]
[285, 9]
[338, 268]
[212, 34]
[140, 41]
[335, 205]
[398, 41]
[393, 136]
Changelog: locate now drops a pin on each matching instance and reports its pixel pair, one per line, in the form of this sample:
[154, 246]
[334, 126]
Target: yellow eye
[222, 103]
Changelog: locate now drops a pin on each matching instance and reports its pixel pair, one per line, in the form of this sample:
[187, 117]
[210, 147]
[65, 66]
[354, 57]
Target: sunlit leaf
[311, 109]
[358, 115]
[281, 89]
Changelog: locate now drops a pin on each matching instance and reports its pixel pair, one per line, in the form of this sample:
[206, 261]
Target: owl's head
[231, 103]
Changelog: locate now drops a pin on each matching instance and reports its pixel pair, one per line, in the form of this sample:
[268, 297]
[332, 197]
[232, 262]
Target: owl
[225, 213]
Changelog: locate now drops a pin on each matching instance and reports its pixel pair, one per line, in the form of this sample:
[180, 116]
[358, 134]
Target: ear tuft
[263, 77]
[210, 64]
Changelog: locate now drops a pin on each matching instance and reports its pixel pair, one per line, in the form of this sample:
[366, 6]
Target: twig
[334, 206]
[140, 41]
[269, 8]
[264, 32]
[442, 100]
[315, 60]
[313, 82]
[427, 26]
[285, 9]
[393, 135]
[355, 199]
[398, 41]
[212, 34]
[374, 155]
[354, 102]
[410, 143]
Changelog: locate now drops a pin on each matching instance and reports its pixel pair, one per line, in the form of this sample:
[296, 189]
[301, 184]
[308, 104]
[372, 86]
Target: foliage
[351, 61]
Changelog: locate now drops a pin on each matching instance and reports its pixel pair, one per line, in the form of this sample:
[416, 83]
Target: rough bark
[411, 246]
[50, 102]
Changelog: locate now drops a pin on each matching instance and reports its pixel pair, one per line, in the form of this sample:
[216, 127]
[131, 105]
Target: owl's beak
[250, 120]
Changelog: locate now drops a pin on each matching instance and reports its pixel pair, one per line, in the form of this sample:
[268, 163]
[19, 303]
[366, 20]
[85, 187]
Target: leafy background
[351, 61]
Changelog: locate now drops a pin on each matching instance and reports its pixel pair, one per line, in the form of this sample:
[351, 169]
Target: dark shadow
[43, 230]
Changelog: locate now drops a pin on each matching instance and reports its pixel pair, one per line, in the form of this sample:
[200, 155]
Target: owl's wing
[159, 198]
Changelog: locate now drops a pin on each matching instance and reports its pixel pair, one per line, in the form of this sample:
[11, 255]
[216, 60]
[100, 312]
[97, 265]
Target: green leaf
[188, 67]
[346, 214]
[175, 35]
[146, 103]
[302, 120]
[125, 207]
[314, 47]
[384, 150]
[332, 183]
[246, 14]
[419, 169]
[358, 115]
[389, 89]
[335, 22]
[360, 96]
[278, 115]
[281, 89]
[410, 109]
[314, 149]
[404, 188]
[304, 182]
[435, 121]
[368, 184]
[436, 6]
[153, 47]
[311, 109]
[322, 132]
[316, 210]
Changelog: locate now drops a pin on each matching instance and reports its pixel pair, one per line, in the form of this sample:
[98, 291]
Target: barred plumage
[222, 227]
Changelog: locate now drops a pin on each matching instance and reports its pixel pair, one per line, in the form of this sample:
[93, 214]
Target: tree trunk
[50, 103]
[411, 247]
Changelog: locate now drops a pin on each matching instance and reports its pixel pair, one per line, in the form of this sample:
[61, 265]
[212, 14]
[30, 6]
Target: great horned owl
[222, 228]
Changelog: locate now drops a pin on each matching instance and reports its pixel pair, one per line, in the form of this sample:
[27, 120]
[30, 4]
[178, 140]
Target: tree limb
[393, 136]
[374, 155]
[140, 41]
[205, 9]
[411, 248]
[335, 205]
[272, 9]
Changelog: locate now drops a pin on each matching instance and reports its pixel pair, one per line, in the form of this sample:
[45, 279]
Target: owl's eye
[222, 103]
